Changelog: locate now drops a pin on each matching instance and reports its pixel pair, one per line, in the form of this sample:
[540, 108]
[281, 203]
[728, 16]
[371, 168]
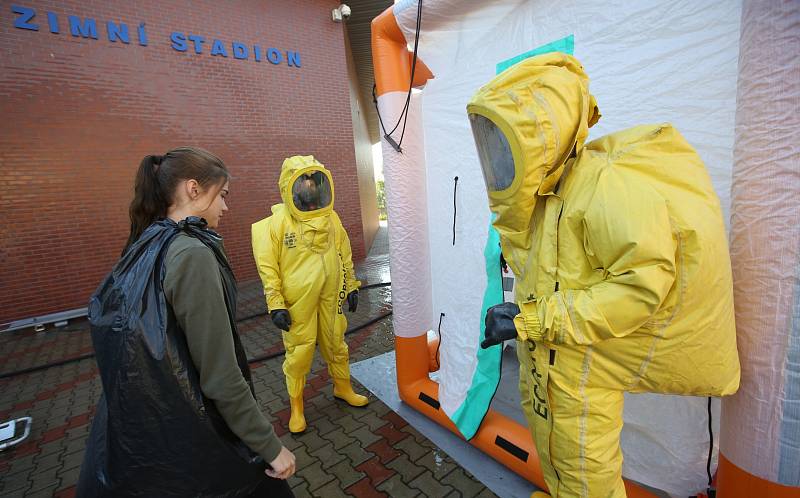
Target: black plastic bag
[154, 433]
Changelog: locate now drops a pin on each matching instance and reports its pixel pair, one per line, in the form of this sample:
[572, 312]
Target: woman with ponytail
[178, 414]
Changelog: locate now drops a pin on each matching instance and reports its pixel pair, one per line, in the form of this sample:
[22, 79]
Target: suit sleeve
[628, 236]
[266, 251]
[346, 255]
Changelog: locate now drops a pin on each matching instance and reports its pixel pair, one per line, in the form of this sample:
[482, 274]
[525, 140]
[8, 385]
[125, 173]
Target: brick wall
[78, 114]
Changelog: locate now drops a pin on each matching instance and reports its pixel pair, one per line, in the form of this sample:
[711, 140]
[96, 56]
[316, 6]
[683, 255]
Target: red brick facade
[79, 113]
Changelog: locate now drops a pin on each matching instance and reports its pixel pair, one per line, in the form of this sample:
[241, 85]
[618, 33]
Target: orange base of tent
[500, 437]
[734, 482]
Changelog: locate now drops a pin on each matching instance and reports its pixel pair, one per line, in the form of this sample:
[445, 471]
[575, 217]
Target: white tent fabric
[649, 61]
[761, 424]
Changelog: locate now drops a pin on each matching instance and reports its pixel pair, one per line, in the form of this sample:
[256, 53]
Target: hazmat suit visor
[311, 192]
[494, 153]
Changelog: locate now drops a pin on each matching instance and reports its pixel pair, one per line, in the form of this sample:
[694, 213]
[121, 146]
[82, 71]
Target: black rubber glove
[281, 319]
[500, 324]
[352, 301]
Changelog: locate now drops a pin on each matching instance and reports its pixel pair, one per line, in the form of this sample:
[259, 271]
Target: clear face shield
[311, 192]
[494, 153]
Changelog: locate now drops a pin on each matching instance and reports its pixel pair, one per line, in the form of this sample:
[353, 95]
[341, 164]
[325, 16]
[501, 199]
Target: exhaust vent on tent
[428, 400]
[511, 448]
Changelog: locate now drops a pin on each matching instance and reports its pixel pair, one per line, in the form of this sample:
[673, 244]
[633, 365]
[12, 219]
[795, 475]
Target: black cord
[439, 333]
[413, 68]
[404, 113]
[502, 279]
[455, 208]
[711, 491]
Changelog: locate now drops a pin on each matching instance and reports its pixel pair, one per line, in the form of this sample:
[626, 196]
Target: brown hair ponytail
[158, 177]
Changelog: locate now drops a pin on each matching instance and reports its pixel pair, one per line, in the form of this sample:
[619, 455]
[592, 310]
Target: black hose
[711, 492]
[46, 365]
[379, 284]
[439, 344]
[86, 356]
[349, 331]
[252, 360]
[404, 113]
[265, 312]
[413, 68]
[455, 207]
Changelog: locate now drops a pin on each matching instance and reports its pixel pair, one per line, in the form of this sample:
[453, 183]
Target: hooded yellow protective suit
[621, 259]
[305, 263]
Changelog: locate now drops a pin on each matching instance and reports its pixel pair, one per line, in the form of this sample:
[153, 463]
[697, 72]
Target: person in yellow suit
[623, 278]
[304, 259]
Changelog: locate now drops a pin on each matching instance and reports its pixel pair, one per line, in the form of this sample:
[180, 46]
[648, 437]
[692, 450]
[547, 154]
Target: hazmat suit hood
[306, 188]
[527, 122]
[307, 191]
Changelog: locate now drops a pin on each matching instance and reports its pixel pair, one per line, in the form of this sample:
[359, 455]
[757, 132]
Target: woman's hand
[282, 466]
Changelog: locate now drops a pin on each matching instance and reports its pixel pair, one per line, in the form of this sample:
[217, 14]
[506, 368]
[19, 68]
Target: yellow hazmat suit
[305, 262]
[622, 266]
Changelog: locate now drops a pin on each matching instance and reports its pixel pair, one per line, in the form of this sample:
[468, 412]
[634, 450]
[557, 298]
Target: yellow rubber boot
[297, 421]
[539, 494]
[344, 391]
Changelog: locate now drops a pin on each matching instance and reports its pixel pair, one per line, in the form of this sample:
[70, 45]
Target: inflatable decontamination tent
[726, 74]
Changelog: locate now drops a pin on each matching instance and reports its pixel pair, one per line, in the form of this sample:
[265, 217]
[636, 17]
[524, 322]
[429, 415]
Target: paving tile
[69, 477]
[327, 455]
[47, 462]
[46, 491]
[75, 445]
[290, 441]
[412, 448]
[71, 461]
[348, 423]
[311, 439]
[17, 484]
[21, 464]
[302, 458]
[383, 450]
[324, 425]
[437, 462]
[364, 436]
[65, 492]
[370, 418]
[396, 488]
[391, 434]
[376, 471]
[300, 488]
[51, 447]
[44, 482]
[463, 482]
[339, 439]
[346, 473]
[365, 489]
[405, 468]
[428, 484]
[356, 453]
[333, 489]
[315, 476]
